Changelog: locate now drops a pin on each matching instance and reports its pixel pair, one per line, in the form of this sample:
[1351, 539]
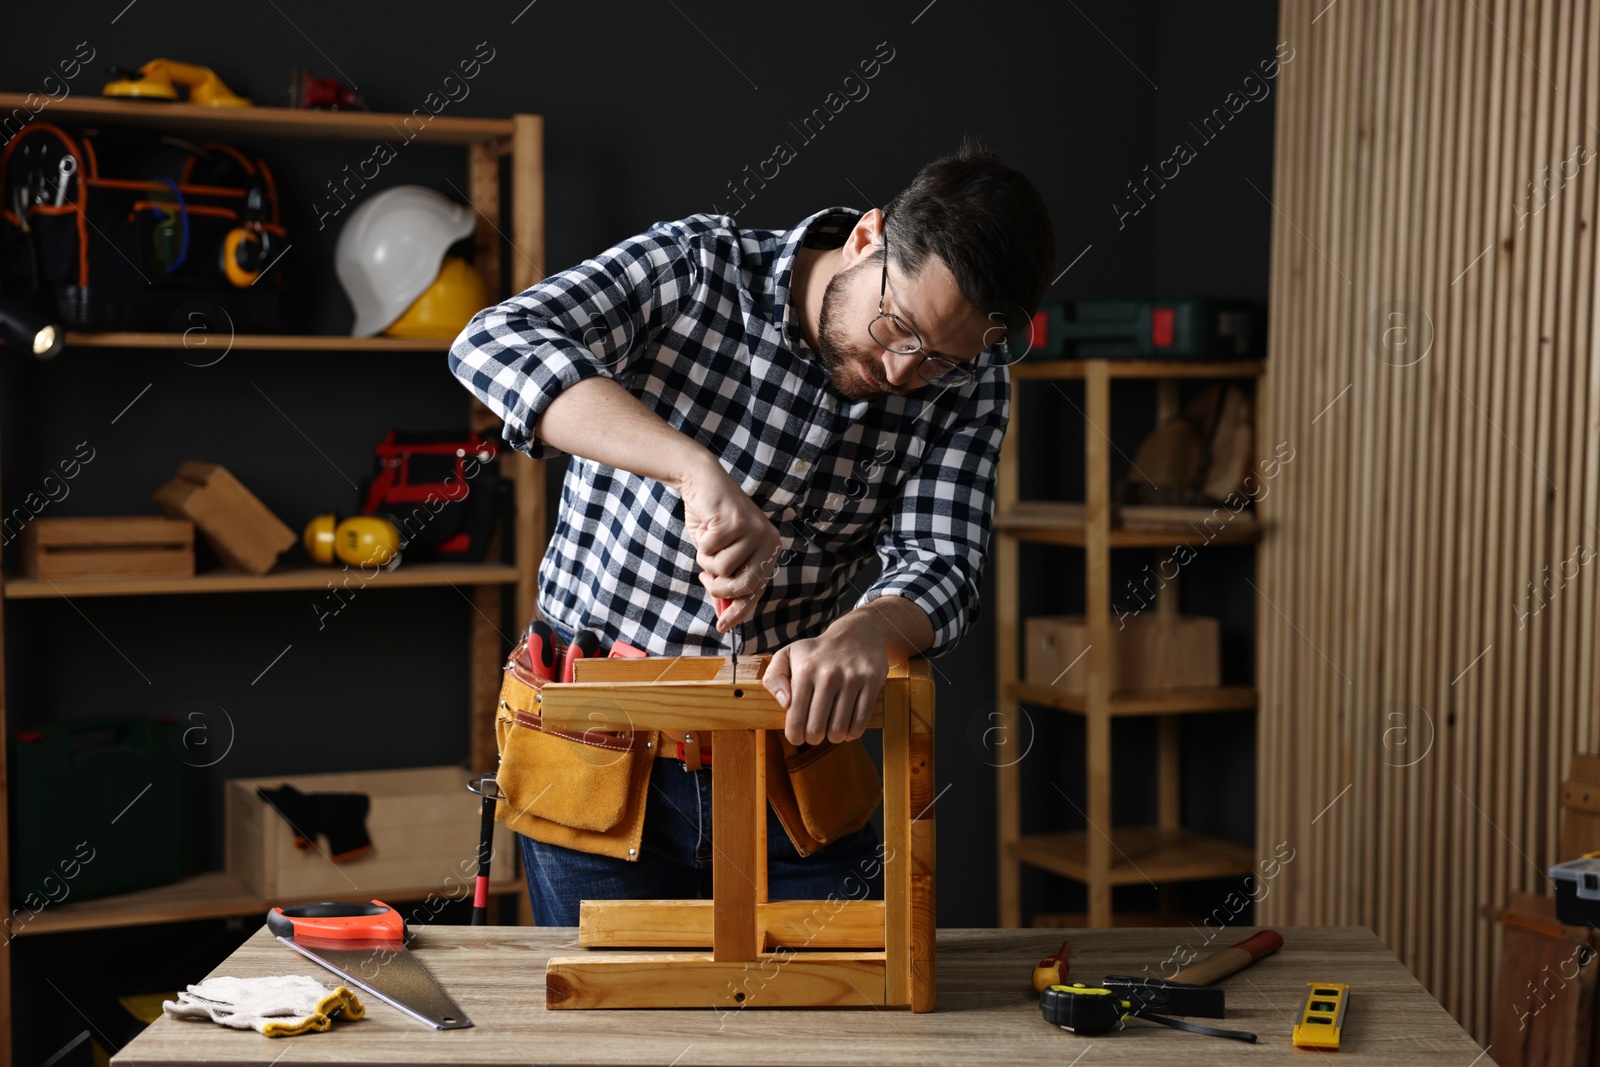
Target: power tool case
[143, 232]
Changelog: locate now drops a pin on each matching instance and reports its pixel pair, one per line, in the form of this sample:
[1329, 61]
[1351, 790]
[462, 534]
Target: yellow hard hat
[457, 294]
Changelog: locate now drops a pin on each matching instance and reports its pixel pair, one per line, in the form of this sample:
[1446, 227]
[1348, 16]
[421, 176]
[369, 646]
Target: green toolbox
[99, 805]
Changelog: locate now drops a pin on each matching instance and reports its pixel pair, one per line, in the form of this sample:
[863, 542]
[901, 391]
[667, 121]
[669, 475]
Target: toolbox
[1145, 329]
[1578, 890]
[99, 805]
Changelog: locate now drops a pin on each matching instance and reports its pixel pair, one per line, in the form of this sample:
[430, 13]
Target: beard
[855, 377]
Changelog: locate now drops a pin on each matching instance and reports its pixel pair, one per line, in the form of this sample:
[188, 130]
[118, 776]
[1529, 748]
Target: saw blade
[391, 974]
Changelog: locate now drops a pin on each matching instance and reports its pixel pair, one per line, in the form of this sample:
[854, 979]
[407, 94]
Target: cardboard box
[237, 525]
[108, 546]
[424, 826]
[1151, 651]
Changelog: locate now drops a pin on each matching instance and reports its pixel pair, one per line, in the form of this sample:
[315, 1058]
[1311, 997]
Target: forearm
[599, 420]
[892, 623]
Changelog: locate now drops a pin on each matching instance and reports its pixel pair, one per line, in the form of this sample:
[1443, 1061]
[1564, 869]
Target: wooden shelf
[1041, 368]
[1141, 701]
[1050, 522]
[217, 345]
[1139, 855]
[212, 895]
[291, 576]
[241, 123]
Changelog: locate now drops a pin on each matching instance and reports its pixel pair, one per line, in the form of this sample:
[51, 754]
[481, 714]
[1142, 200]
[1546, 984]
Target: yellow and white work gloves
[278, 1006]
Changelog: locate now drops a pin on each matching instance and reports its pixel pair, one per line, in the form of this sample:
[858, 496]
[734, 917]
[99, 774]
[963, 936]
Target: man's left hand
[829, 685]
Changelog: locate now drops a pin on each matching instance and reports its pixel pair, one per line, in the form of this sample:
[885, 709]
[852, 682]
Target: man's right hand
[736, 544]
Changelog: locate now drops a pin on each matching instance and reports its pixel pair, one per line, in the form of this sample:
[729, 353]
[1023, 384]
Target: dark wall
[652, 110]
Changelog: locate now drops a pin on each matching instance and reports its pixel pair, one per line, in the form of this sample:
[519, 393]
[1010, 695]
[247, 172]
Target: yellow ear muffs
[243, 254]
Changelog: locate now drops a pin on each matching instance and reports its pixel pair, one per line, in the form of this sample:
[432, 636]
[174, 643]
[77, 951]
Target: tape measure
[1322, 1017]
[1091, 1010]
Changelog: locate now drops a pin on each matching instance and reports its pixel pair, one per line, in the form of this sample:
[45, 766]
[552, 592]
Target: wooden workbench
[986, 1013]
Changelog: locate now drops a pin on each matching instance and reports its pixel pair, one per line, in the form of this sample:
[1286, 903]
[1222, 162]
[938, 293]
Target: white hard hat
[391, 248]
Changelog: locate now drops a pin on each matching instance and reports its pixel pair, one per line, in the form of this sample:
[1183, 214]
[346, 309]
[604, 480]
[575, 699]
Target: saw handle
[338, 920]
[1231, 960]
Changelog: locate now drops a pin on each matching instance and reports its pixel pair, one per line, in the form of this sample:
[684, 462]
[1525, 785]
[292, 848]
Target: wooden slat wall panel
[1424, 678]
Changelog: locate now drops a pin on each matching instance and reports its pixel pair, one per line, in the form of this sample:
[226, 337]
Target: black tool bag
[128, 231]
[442, 491]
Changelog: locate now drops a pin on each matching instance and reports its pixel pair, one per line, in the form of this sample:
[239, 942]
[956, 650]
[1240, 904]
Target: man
[751, 412]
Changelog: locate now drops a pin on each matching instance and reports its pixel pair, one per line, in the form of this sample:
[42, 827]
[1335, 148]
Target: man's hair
[985, 221]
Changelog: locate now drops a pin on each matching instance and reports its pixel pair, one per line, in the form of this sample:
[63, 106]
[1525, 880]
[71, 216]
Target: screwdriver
[738, 635]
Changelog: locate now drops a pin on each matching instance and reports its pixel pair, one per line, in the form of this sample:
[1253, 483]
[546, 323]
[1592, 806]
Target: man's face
[929, 302]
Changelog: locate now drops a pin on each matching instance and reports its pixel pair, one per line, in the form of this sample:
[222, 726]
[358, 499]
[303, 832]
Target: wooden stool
[855, 952]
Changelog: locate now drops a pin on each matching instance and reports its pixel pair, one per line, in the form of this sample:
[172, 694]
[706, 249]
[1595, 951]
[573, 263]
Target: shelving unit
[1103, 856]
[516, 141]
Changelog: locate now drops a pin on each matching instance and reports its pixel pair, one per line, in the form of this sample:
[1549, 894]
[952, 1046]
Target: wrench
[66, 169]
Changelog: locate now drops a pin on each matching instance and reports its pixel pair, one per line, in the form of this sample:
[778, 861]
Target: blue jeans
[676, 852]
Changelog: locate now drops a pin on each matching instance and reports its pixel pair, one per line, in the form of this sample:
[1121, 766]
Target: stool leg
[738, 838]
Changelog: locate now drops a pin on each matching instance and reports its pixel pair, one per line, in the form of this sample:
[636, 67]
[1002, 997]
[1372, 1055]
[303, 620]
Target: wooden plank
[1097, 611]
[1169, 771]
[650, 669]
[922, 782]
[260, 342]
[254, 122]
[738, 817]
[283, 576]
[671, 705]
[1144, 854]
[527, 261]
[1444, 502]
[924, 846]
[923, 916]
[210, 895]
[1183, 701]
[683, 924]
[485, 667]
[897, 877]
[632, 980]
[924, 986]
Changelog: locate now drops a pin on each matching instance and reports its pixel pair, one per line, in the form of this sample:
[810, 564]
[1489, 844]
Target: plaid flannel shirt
[693, 318]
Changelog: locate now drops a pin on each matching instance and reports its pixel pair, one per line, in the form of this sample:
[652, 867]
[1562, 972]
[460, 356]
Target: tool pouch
[584, 791]
[151, 233]
[820, 792]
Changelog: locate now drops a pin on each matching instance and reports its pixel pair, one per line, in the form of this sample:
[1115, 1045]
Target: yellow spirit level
[1322, 1018]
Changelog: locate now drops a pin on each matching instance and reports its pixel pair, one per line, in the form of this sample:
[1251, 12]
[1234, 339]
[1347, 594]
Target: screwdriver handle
[542, 650]
[585, 645]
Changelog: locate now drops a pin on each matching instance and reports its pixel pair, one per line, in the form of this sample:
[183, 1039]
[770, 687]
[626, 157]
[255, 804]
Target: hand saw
[365, 944]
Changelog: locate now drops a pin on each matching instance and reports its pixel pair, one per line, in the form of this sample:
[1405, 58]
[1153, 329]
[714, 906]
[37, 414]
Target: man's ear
[864, 238]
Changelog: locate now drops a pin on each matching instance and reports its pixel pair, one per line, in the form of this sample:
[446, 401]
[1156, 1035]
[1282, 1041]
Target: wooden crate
[424, 828]
[236, 524]
[108, 546]
[1154, 650]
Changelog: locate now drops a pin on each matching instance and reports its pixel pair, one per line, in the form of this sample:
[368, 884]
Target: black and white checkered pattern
[693, 318]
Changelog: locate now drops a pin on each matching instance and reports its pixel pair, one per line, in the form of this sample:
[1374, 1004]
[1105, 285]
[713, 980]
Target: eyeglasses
[896, 337]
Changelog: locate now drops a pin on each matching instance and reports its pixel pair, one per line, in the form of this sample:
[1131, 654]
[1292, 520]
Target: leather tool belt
[587, 790]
